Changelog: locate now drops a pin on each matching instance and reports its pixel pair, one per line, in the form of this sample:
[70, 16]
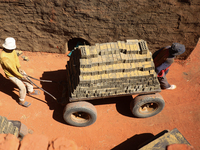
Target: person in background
[12, 69]
[163, 59]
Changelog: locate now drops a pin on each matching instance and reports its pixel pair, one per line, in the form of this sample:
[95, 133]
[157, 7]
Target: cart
[107, 70]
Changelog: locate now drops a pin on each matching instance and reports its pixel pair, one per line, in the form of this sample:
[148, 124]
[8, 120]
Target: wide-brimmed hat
[177, 49]
[9, 43]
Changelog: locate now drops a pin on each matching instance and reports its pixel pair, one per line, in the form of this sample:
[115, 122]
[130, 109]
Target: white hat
[9, 43]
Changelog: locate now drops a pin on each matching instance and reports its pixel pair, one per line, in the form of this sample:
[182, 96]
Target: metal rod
[40, 88]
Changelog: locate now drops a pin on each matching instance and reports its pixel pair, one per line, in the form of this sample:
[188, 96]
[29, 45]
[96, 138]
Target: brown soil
[115, 127]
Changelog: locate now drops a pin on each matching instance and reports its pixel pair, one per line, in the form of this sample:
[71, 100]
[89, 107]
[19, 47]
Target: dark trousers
[163, 81]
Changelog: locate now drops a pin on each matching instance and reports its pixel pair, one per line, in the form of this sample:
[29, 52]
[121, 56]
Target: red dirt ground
[115, 127]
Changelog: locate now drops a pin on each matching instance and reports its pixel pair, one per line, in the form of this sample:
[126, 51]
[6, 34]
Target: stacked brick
[7, 127]
[109, 69]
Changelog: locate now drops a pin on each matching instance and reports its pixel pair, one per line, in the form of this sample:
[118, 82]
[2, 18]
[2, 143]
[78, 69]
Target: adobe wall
[48, 25]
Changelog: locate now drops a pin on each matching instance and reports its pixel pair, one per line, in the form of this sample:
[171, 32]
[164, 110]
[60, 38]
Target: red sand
[115, 127]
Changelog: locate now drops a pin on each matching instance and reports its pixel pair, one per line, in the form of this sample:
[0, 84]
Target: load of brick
[109, 69]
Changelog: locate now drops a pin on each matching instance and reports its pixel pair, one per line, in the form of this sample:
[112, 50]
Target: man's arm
[164, 65]
[11, 69]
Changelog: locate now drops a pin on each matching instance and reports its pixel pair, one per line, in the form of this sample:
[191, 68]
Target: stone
[8, 142]
[63, 143]
[34, 142]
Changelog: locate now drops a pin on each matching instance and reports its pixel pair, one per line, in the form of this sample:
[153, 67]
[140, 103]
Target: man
[12, 69]
[163, 59]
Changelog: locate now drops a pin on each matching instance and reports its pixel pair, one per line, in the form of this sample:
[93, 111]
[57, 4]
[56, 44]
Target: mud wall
[48, 25]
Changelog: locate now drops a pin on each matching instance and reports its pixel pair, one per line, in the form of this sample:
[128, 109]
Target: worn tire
[80, 114]
[144, 106]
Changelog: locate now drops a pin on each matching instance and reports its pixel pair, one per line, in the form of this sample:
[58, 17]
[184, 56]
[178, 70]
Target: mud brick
[117, 58]
[100, 70]
[134, 74]
[128, 48]
[134, 58]
[108, 59]
[109, 68]
[130, 58]
[120, 67]
[103, 69]
[134, 47]
[109, 48]
[112, 77]
[105, 77]
[139, 66]
[87, 71]
[128, 76]
[133, 67]
[143, 47]
[94, 70]
[150, 82]
[104, 59]
[110, 56]
[99, 60]
[132, 41]
[73, 95]
[117, 68]
[122, 78]
[82, 71]
[124, 58]
[103, 48]
[114, 48]
[147, 67]
[88, 63]
[85, 52]
[121, 46]
[82, 63]
[94, 62]
[98, 48]
[93, 51]
[146, 89]
[127, 67]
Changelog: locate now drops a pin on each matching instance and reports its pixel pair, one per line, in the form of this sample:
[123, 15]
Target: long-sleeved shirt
[10, 64]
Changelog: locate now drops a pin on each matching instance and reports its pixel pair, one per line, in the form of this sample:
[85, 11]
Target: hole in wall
[75, 42]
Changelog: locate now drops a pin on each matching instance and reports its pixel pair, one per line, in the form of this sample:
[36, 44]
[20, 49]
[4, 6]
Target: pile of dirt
[54, 25]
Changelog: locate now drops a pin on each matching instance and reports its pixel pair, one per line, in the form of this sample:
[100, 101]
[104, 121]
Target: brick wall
[47, 25]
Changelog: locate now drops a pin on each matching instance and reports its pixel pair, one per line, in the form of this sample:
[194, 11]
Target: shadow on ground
[55, 89]
[122, 104]
[8, 87]
[138, 141]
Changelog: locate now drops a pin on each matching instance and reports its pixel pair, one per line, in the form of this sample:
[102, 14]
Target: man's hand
[22, 72]
[25, 79]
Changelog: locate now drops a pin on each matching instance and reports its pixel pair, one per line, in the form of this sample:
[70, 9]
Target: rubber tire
[141, 100]
[76, 107]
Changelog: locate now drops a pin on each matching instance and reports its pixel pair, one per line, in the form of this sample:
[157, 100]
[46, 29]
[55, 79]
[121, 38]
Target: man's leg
[21, 86]
[163, 82]
[29, 86]
[22, 91]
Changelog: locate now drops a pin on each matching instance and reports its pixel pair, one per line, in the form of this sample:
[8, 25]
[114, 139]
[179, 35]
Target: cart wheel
[80, 114]
[144, 106]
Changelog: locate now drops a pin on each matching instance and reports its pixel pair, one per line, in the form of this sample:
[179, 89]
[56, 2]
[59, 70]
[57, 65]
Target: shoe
[24, 103]
[35, 92]
[172, 87]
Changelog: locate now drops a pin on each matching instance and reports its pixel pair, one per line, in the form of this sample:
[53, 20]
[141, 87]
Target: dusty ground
[115, 127]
